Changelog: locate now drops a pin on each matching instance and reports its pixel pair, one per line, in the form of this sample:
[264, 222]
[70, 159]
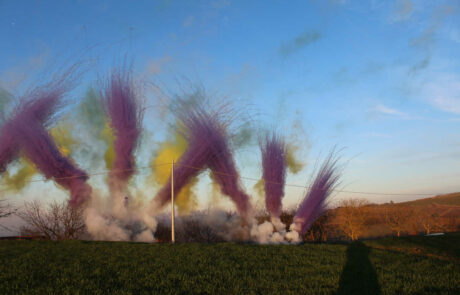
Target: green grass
[78, 267]
[443, 247]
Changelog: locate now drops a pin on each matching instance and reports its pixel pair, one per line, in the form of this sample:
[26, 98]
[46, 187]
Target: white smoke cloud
[111, 223]
[138, 223]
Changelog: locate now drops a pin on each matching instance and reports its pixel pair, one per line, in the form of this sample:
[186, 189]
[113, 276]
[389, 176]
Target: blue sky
[379, 78]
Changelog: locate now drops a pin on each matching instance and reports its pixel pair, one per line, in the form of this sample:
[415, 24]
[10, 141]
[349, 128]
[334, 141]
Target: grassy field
[411, 265]
[448, 199]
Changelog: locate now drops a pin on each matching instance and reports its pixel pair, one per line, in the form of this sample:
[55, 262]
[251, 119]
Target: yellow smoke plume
[293, 164]
[216, 195]
[161, 171]
[259, 187]
[62, 135]
[18, 180]
[108, 137]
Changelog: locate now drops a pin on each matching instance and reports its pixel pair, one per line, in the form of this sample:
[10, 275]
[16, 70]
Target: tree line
[351, 219]
[354, 219]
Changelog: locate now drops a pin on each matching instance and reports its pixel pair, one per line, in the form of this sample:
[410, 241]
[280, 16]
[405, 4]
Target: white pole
[172, 202]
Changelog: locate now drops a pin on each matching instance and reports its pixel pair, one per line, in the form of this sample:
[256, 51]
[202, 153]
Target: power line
[104, 172]
[309, 186]
[89, 174]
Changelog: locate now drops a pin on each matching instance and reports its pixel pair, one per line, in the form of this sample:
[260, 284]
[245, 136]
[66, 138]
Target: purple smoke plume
[26, 131]
[40, 108]
[314, 203]
[208, 147]
[224, 173]
[8, 149]
[125, 113]
[273, 150]
[38, 145]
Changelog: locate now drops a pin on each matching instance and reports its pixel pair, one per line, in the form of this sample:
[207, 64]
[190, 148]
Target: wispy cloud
[189, 21]
[221, 3]
[444, 93]
[402, 11]
[376, 135]
[454, 35]
[426, 39]
[382, 109]
[299, 42]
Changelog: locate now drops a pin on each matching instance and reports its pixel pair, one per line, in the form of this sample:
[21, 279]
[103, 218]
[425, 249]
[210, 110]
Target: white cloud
[454, 35]
[382, 109]
[444, 93]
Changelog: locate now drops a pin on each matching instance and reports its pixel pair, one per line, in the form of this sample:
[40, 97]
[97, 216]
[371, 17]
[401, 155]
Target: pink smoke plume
[208, 147]
[314, 203]
[273, 150]
[125, 113]
[26, 132]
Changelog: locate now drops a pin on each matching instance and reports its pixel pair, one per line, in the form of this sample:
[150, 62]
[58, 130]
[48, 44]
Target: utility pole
[172, 202]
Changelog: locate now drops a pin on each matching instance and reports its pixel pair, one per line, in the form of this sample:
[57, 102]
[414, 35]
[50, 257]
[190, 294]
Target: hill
[448, 199]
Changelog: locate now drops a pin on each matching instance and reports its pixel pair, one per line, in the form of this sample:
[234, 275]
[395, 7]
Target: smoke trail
[292, 163]
[208, 147]
[26, 131]
[39, 147]
[125, 113]
[274, 172]
[62, 136]
[103, 224]
[259, 188]
[5, 100]
[161, 170]
[96, 136]
[198, 125]
[91, 112]
[114, 119]
[108, 137]
[18, 180]
[39, 109]
[224, 173]
[9, 149]
[314, 202]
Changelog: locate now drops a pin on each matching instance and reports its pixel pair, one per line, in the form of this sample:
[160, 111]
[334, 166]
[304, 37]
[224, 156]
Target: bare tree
[6, 209]
[56, 221]
[397, 218]
[194, 228]
[351, 217]
[450, 223]
[427, 220]
[320, 229]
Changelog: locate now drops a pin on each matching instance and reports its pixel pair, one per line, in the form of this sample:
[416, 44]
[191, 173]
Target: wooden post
[172, 202]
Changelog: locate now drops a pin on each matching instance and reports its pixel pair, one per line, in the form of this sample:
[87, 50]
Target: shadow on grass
[358, 275]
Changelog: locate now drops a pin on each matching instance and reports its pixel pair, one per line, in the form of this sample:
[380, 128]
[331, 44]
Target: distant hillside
[449, 199]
